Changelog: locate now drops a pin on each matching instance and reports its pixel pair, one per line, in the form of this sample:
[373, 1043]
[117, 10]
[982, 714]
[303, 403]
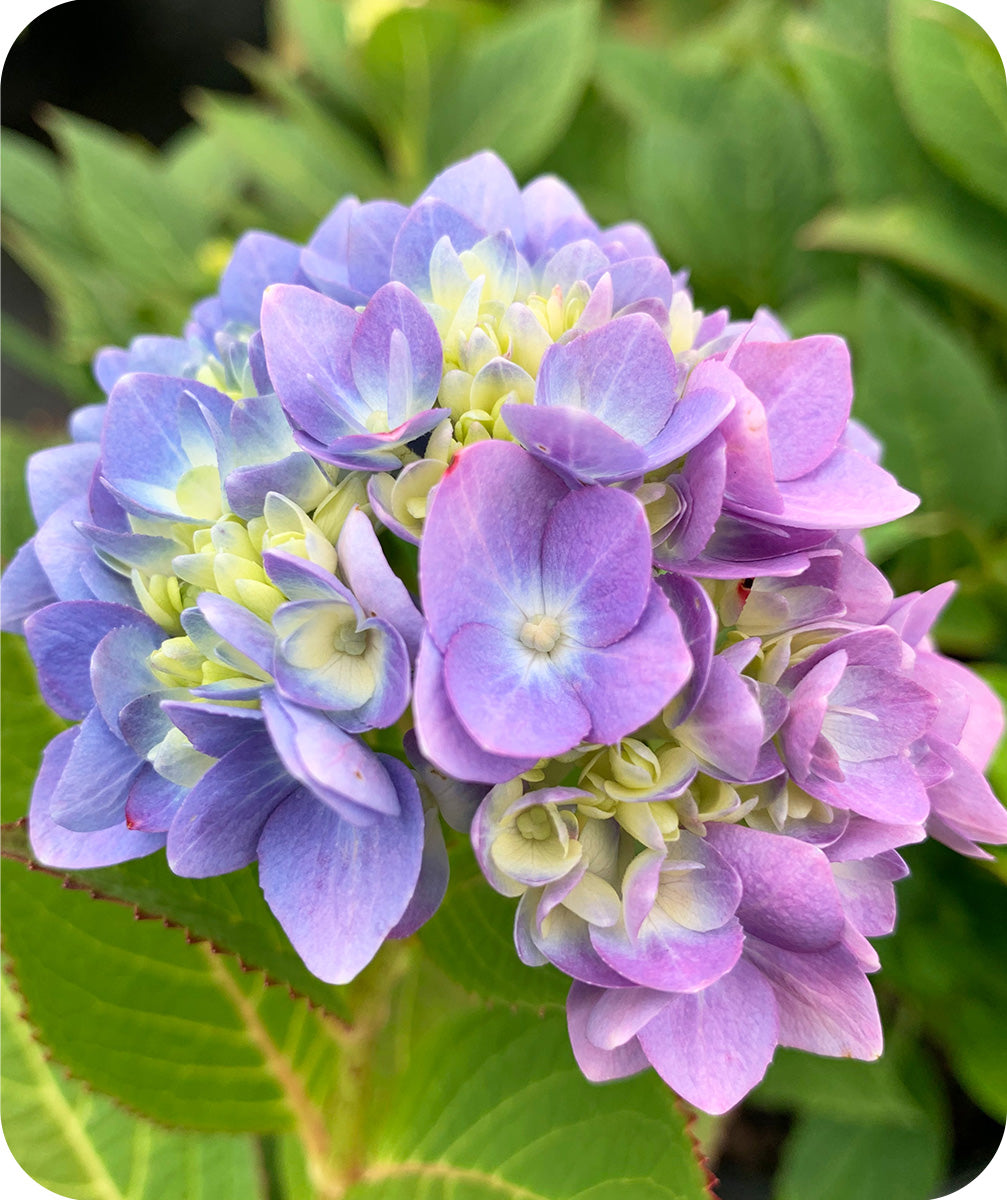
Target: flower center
[541, 634]
[534, 824]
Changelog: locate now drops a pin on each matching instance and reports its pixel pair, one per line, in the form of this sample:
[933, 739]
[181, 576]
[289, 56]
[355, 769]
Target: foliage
[843, 161]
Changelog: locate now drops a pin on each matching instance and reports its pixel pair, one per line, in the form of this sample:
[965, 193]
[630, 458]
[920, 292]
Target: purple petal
[564, 940]
[867, 891]
[694, 609]
[825, 1001]
[639, 278]
[441, 736]
[55, 846]
[68, 559]
[24, 589]
[623, 373]
[428, 221]
[806, 389]
[372, 451]
[338, 889]
[218, 823]
[730, 745]
[847, 491]
[155, 432]
[243, 630]
[575, 261]
[694, 418]
[750, 480]
[887, 789]
[550, 207]
[668, 957]
[378, 589]
[618, 1014]
[396, 354]
[965, 801]
[307, 338]
[513, 701]
[598, 1065]
[864, 838]
[258, 260]
[370, 237]
[481, 554]
[628, 683]
[714, 1047]
[119, 670]
[153, 801]
[596, 565]
[789, 896]
[484, 190]
[575, 441]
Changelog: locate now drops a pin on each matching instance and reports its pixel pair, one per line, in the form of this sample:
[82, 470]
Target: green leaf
[518, 85]
[995, 675]
[128, 210]
[493, 1107]
[296, 180]
[406, 59]
[964, 247]
[228, 911]
[645, 82]
[840, 53]
[79, 1144]
[726, 192]
[36, 356]
[834, 1160]
[354, 164]
[471, 939]
[313, 34]
[840, 1089]
[929, 398]
[34, 192]
[27, 724]
[169, 1028]
[943, 960]
[16, 444]
[950, 79]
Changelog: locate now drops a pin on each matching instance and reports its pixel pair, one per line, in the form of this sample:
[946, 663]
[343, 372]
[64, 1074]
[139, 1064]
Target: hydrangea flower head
[648, 668]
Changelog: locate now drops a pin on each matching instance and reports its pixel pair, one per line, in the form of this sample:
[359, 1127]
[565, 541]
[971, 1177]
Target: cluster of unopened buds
[645, 661]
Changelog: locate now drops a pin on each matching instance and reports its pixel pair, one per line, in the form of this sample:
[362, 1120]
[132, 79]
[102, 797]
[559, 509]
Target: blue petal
[307, 342]
[213, 729]
[337, 889]
[58, 474]
[153, 801]
[61, 640]
[373, 229]
[484, 190]
[218, 824]
[433, 880]
[120, 672]
[55, 846]
[259, 259]
[85, 423]
[91, 793]
[24, 589]
[340, 770]
[428, 221]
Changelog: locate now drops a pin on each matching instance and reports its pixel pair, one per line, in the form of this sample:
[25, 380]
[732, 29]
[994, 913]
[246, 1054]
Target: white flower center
[541, 634]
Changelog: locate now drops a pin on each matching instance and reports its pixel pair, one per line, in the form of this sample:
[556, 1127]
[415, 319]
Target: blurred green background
[842, 161]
